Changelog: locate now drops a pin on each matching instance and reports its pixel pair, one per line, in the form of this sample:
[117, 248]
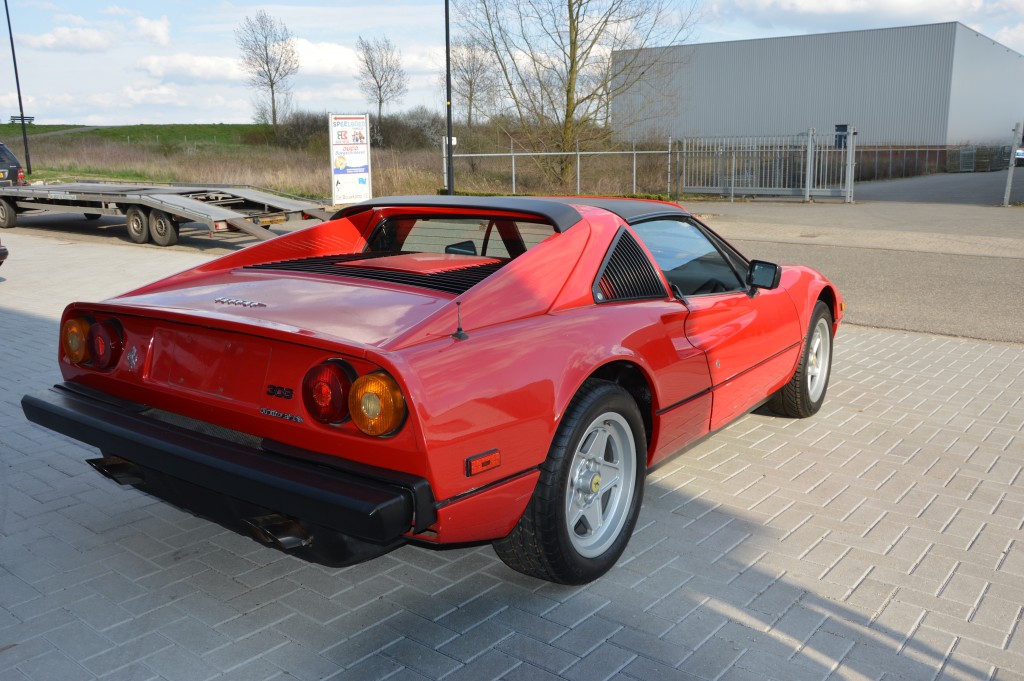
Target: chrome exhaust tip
[279, 531]
[117, 469]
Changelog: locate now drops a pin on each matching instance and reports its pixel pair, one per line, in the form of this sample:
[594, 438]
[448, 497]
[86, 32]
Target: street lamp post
[17, 84]
[448, 100]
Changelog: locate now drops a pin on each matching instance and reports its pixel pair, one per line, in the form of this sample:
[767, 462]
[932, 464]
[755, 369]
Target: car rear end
[11, 172]
[288, 442]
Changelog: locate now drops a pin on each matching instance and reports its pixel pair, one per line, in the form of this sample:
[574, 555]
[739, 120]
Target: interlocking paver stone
[881, 539]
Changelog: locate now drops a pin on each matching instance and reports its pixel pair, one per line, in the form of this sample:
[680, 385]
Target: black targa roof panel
[630, 210]
[556, 210]
[559, 214]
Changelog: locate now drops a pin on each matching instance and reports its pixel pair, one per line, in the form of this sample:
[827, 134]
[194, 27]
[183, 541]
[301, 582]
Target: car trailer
[154, 212]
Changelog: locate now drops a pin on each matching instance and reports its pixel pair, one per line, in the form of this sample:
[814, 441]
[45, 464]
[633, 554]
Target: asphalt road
[954, 270]
[982, 189]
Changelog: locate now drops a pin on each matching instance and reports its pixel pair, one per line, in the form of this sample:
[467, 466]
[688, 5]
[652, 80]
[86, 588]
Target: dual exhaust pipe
[276, 529]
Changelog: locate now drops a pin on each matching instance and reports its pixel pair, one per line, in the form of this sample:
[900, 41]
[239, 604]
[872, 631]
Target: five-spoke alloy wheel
[584, 508]
[805, 392]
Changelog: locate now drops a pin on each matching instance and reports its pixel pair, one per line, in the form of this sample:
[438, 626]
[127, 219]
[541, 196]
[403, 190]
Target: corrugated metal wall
[892, 84]
[987, 85]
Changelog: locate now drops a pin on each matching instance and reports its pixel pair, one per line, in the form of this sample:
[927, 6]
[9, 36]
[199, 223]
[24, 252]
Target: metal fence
[806, 165]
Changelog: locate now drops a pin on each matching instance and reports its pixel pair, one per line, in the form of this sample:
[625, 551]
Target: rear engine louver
[455, 281]
[627, 273]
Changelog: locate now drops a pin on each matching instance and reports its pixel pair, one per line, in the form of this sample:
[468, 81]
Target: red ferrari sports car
[441, 370]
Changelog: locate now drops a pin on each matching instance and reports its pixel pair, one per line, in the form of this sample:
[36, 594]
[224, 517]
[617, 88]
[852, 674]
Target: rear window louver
[455, 281]
[627, 273]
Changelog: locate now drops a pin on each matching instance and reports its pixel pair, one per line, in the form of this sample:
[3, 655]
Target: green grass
[173, 134]
[163, 135]
[11, 132]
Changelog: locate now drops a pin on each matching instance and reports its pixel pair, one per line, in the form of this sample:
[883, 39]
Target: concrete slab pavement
[882, 539]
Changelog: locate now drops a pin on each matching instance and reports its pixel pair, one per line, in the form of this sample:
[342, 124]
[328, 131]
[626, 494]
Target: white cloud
[159, 30]
[142, 94]
[1012, 37]
[115, 10]
[71, 19]
[159, 94]
[64, 39]
[325, 59]
[192, 67]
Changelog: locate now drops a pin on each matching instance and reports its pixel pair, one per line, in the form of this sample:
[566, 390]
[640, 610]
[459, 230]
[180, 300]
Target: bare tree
[474, 77]
[381, 76]
[269, 57]
[554, 59]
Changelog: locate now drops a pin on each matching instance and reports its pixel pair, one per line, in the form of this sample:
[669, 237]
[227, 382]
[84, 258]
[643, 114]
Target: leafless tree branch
[382, 80]
[269, 57]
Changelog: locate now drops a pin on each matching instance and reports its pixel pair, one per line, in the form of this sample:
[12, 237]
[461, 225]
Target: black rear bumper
[231, 482]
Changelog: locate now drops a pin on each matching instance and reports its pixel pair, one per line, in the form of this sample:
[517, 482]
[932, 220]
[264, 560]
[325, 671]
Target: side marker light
[481, 463]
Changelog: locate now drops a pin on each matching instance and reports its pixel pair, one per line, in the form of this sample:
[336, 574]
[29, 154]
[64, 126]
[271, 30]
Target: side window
[689, 259]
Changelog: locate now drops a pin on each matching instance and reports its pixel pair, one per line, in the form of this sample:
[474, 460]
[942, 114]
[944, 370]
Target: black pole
[448, 98]
[17, 84]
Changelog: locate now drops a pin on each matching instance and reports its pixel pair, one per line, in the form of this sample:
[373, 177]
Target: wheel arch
[828, 296]
[632, 378]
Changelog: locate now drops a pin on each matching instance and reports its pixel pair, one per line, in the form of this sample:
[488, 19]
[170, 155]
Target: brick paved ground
[882, 539]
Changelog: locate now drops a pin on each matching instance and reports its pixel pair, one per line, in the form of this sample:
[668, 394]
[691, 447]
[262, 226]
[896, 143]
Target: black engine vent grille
[450, 281]
[627, 273]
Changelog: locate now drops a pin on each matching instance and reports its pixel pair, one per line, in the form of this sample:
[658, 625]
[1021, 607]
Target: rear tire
[162, 229]
[805, 392]
[138, 225]
[588, 496]
[7, 215]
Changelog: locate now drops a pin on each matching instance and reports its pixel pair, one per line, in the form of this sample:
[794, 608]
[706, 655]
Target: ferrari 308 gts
[441, 370]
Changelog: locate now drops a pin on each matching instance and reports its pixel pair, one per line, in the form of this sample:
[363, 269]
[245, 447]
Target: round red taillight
[105, 344]
[325, 392]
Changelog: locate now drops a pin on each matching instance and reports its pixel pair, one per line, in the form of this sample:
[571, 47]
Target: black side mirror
[763, 275]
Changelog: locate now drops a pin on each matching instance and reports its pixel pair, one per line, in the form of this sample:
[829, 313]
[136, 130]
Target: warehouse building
[936, 84]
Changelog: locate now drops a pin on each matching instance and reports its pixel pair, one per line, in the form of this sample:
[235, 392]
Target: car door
[750, 337]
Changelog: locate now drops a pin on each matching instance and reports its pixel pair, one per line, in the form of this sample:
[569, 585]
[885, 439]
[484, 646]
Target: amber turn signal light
[481, 463]
[376, 404]
[74, 339]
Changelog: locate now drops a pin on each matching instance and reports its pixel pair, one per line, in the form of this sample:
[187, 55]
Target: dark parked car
[3, 253]
[11, 173]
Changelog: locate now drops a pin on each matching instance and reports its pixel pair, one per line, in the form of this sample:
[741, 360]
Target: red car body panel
[206, 343]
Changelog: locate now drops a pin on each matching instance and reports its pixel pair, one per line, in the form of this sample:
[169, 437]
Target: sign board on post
[350, 158]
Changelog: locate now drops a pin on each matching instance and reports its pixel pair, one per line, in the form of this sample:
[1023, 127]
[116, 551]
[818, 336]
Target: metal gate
[807, 164]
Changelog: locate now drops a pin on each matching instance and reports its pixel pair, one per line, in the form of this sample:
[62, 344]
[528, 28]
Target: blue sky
[99, 63]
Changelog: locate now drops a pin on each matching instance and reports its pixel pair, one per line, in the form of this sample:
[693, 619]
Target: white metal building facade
[936, 84]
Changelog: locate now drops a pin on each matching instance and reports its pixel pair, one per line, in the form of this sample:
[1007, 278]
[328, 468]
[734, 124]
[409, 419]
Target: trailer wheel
[138, 225]
[162, 229]
[7, 215]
